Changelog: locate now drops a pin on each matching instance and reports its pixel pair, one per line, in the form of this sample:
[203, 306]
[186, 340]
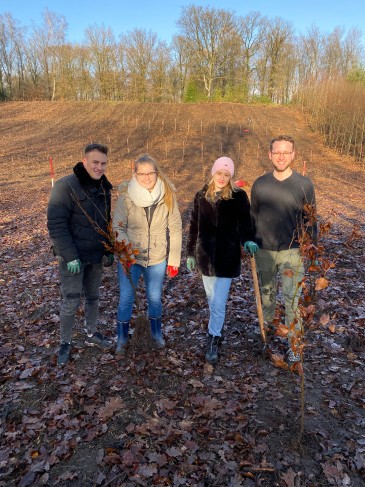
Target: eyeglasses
[282, 153]
[143, 175]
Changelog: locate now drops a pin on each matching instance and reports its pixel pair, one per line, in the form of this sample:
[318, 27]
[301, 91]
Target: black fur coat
[217, 230]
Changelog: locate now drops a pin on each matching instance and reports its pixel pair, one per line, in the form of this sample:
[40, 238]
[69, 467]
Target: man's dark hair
[287, 138]
[99, 147]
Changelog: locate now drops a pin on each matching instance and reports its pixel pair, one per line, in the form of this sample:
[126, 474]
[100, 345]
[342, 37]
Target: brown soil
[165, 418]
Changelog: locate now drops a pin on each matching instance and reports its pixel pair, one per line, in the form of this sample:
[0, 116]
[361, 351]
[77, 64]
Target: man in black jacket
[78, 206]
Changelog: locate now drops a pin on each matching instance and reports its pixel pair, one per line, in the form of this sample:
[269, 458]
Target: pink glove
[172, 271]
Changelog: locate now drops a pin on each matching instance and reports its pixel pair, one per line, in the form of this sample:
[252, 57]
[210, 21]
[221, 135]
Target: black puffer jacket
[217, 229]
[78, 204]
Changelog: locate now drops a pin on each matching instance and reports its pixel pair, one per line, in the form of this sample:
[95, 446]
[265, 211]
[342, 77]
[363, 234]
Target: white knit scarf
[142, 197]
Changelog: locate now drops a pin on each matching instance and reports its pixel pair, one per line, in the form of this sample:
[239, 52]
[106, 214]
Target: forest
[215, 55]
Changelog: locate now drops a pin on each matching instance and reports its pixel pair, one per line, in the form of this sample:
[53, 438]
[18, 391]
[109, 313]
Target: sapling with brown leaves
[125, 253]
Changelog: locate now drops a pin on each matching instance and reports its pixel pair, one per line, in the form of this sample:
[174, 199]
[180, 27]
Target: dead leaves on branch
[317, 266]
[125, 252]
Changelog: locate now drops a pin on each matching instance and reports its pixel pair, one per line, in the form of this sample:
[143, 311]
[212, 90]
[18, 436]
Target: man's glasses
[143, 175]
[282, 153]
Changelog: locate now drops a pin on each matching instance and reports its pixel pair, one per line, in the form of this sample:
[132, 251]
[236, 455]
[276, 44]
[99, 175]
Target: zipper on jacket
[148, 216]
[149, 211]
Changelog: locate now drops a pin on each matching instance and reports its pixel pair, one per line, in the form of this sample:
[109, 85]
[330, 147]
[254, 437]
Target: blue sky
[160, 16]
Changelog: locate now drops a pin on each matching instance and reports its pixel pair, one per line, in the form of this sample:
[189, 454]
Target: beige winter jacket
[130, 221]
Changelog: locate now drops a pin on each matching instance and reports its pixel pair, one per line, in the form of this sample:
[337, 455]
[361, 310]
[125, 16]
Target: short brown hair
[286, 138]
[99, 147]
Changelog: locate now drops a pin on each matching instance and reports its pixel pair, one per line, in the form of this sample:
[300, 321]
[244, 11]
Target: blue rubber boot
[122, 337]
[156, 332]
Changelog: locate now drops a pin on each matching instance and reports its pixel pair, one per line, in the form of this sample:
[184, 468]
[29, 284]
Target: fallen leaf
[110, 408]
[324, 319]
[147, 470]
[289, 477]
[195, 383]
[321, 283]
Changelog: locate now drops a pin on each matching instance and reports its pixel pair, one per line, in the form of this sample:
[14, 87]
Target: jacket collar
[86, 180]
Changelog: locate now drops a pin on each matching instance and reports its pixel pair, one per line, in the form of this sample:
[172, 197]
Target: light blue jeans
[216, 289]
[153, 277]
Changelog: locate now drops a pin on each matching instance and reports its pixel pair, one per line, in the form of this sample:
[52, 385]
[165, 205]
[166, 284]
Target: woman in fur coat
[220, 223]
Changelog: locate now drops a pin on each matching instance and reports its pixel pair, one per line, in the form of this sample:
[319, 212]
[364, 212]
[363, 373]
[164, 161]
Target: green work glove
[190, 263]
[74, 266]
[250, 247]
[108, 260]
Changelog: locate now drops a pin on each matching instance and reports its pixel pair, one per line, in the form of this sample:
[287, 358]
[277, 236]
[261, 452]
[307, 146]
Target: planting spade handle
[258, 298]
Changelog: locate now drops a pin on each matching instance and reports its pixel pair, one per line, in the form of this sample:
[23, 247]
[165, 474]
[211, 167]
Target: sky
[160, 16]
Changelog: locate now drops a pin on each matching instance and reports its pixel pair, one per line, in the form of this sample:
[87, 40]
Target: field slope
[163, 418]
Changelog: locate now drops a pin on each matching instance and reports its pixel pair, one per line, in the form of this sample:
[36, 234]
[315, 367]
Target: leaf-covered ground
[166, 418]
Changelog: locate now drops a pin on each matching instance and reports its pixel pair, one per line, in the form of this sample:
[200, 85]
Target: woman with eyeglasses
[148, 217]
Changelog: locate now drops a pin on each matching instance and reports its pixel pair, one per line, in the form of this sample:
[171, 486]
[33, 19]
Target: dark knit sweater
[277, 209]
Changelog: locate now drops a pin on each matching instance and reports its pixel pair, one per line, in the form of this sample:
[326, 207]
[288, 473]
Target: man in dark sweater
[78, 206]
[278, 202]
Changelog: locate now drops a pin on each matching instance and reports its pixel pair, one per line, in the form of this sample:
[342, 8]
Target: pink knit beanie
[223, 163]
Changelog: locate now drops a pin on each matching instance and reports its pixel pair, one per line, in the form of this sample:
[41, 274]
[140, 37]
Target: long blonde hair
[170, 190]
[227, 191]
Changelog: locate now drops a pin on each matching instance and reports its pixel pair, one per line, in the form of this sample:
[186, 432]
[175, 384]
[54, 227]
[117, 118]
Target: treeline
[214, 56]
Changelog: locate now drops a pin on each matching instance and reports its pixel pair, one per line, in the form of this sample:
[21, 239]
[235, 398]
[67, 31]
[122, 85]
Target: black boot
[156, 332]
[122, 331]
[211, 355]
[64, 353]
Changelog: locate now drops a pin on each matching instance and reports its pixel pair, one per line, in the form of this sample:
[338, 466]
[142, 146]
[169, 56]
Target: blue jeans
[72, 285]
[153, 277]
[216, 289]
[289, 265]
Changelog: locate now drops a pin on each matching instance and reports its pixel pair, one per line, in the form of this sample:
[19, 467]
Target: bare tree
[333, 52]
[159, 73]
[310, 55]
[85, 79]
[180, 67]
[11, 58]
[251, 31]
[278, 36]
[141, 48]
[35, 88]
[103, 60]
[207, 32]
[68, 73]
[352, 51]
[47, 42]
